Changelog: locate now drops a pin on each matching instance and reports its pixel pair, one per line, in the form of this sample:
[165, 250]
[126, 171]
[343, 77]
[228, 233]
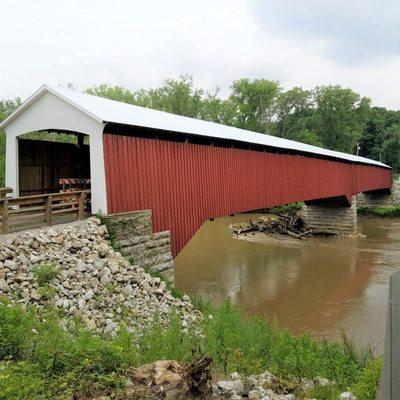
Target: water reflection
[319, 285]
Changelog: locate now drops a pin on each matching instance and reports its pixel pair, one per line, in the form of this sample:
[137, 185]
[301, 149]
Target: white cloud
[137, 44]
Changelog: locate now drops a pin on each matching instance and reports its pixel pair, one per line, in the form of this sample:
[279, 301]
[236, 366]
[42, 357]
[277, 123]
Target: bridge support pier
[335, 215]
[375, 198]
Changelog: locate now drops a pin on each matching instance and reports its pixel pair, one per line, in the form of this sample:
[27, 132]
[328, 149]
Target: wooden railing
[4, 191]
[44, 209]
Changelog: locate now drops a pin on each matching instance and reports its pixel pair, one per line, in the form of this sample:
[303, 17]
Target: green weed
[45, 273]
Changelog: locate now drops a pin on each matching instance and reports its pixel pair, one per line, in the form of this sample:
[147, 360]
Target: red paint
[184, 184]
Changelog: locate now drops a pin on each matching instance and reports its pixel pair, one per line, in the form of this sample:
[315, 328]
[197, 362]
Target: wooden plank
[4, 191]
[64, 205]
[81, 212]
[44, 196]
[26, 210]
[5, 216]
[66, 211]
[26, 217]
[48, 210]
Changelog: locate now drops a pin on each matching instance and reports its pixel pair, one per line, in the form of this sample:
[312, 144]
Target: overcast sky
[139, 43]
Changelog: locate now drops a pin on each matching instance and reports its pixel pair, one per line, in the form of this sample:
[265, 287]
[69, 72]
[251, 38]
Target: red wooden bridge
[184, 170]
[184, 184]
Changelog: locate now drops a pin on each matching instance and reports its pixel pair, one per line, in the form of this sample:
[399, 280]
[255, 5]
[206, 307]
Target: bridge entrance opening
[53, 162]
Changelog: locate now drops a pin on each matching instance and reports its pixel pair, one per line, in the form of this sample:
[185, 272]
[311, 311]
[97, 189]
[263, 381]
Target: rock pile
[264, 387]
[74, 268]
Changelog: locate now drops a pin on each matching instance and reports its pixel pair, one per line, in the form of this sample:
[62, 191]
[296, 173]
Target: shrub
[390, 211]
[45, 273]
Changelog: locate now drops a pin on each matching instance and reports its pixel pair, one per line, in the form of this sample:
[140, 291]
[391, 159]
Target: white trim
[49, 111]
[12, 168]
[97, 173]
[31, 99]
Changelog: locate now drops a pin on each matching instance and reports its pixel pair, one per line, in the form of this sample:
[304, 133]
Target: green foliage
[340, 117]
[34, 383]
[47, 292]
[287, 208]
[389, 211]
[367, 382]
[45, 273]
[294, 110]
[254, 102]
[81, 363]
[391, 147]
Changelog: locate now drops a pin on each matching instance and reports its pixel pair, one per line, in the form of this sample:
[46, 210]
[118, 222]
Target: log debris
[270, 223]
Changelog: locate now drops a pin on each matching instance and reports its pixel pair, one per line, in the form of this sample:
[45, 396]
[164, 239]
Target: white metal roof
[105, 110]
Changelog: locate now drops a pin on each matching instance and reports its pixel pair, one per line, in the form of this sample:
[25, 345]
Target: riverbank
[58, 364]
[78, 326]
[389, 211]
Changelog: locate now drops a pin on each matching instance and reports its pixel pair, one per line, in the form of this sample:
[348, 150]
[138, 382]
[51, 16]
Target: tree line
[331, 116]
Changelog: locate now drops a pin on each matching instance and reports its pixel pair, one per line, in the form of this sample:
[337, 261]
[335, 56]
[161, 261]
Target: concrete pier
[375, 198]
[333, 215]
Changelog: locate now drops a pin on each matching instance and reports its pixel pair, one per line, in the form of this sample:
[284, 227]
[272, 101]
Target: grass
[389, 211]
[54, 364]
[287, 208]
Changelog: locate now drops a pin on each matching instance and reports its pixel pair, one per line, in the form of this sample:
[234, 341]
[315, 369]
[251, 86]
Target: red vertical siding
[184, 184]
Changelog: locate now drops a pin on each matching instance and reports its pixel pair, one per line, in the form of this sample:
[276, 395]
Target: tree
[6, 108]
[293, 113]
[376, 131]
[391, 147]
[175, 96]
[308, 137]
[117, 93]
[340, 117]
[254, 103]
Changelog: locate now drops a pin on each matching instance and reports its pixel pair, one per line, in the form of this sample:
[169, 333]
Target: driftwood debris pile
[285, 224]
[168, 379]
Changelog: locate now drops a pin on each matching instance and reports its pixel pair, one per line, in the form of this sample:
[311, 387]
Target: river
[320, 285]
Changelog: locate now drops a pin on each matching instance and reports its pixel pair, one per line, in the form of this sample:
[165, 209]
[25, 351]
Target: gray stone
[10, 264]
[322, 381]
[234, 387]
[81, 267]
[4, 285]
[35, 295]
[105, 279]
[88, 295]
[76, 244]
[254, 395]
[347, 396]
[103, 249]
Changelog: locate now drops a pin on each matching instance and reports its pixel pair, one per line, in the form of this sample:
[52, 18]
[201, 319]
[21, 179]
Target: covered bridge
[184, 170]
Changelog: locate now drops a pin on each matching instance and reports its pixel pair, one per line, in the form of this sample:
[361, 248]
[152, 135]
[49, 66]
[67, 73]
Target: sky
[137, 44]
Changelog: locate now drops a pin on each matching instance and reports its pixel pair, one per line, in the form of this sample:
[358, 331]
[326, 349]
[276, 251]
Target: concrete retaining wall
[331, 219]
[132, 234]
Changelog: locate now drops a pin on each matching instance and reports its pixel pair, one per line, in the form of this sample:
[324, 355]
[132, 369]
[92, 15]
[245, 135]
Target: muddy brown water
[321, 285]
